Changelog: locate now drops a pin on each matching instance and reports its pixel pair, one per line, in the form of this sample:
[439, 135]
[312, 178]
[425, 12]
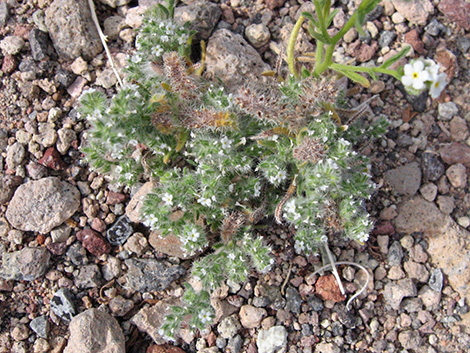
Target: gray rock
[72, 30]
[235, 344]
[112, 26]
[145, 275]
[394, 292]
[447, 111]
[457, 175]
[436, 280]
[419, 215]
[272, 340]
[8, 185]
[41, 326]
[404, 180]
[432, 166]
[232, 59]
[65, 139]
[463, 43]
[120, 231]
[446, 204]
[410, 340]
[293, 300]
[430, 298]
[26, 264]
[324, 347]
[202, 15]
[429, 192]
[42, 205]
[62, 304]
[15, 155]
[386, 37]
[120, 306]
[115, 3]
[315, 303]
[3, 134]
[77, 254]
[11, 45]
[258, 35]
[229, 327]
[89, 276]
[395, 254]
[4, 14]
[412, 305]
[434, 27]
[41, 47]
[95, 331]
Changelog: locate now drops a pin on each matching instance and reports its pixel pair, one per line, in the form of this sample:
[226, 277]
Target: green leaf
[330, 18]
[395, 58]
[310, 17]
[320, 37]
[164, 10]
[305, 72]
[359, 23]
[352, 75]
[370, 5]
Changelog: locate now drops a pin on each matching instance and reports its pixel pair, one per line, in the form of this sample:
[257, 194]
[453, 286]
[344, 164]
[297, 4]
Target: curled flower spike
[415, 75]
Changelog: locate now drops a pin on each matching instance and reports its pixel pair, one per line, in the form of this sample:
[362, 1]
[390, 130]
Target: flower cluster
[420, 74]
[221, 163]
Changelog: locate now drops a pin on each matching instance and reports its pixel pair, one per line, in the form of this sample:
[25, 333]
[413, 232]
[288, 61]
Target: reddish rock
[98, 224]
[115, 198]
[412, 37]
[211, 338]
[456, 11]
[456, 152]
[52, 159]
[227, 15]
[447, 60]
[385, 228]
[9, 64]
[366, 52]
[327, 288]
[22, 31]
[272, 4]
[164, 348]
[57, 248]
[94, 242]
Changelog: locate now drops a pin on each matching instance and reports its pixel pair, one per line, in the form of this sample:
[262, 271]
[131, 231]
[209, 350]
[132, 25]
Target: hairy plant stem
[291, 46]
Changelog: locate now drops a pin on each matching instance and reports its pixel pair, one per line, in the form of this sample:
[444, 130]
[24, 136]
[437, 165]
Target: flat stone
[404, 180]
[52, 159]
[410, 340]
[95, 331]
[15, 155]
[416, 271]
[446, 111]
[8, 185]
[324, 347]
[4, 14]
[41, 46]
[272, 340]
[146, 275]
[395, 254]
[72, 30]
[26, 264]
[456, 152]
[42, 205]
[436, 280]
[89, 276]
[202, 16]
[458, 129]
[120, 306]
[134, 207]
[446, 204]
[11, 45]
[429, 192]
[456, 11]
[41, 326]
[62, 304]
[232, 59]
[394, 292]
[293, 300]
[430, 298]
[419, 215]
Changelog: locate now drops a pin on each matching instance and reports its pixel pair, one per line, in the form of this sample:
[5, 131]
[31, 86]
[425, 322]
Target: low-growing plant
[224, 161]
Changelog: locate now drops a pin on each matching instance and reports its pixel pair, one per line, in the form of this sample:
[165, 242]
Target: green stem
[321, 18]
[291, 46]
[369, 70]
[345, 29]
[326, 62]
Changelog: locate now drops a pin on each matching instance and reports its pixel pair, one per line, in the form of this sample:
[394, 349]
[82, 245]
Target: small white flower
[415, 75]
[299, 246]
[290, 206]
[193, 235]
[438, 85]
[279, 177]
[164, 38]
[231, 256]
[205, 201]
[226, 143]
[257, 189]
[167, 199]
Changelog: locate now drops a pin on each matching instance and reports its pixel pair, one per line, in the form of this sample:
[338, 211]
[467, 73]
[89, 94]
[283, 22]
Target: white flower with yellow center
[438, 85]
[416, 75]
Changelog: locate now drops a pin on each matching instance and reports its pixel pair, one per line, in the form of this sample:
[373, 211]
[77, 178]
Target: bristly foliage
[223, 163]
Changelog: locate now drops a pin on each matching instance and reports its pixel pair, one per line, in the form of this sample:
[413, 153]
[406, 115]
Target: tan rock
[135, 204]
[251, 317]
[327, 288]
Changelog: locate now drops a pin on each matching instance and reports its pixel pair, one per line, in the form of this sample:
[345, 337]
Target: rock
[456, 11]
[414, 11]
[145, 275]
[114, 198]
[26, 264]
[133, 209]
[251, 317]
[430, 298]
[72, 30]
[115, 3]
[436, 280]
[272, 4]
[11, 45]
[164, 348]
[429, 192]
[272, 340]
[202, 16]
[232, 59]
[446, 204]
[9, 63]
[293, 300]
[41, 326]
[404, 180]
[112, 26]
[446, 111]
[432, 166]
[410, 340]
[89, 276]
[419, 215]
[234, 344]
[111, 269]
[93, 242]
[417, 271]
[41, 47]
[36, 171]
[65, 137]
[324, 347]
[8, 185]
[4, 14]
[51, 159]
[394, 292]
[95, 331]
[455, 153]
[457, 175]
[106, 78]
[150, 318]
[366, 52]
[229, 327]
[42, 205]
[458, 129]
[258, 35]
[15, 155]
[418, 254]
[77, 254]
[327, 288]
[120, 231]
[386, 38]
[62, 304]
[412, 37]
[395, 254]
[120, 306]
